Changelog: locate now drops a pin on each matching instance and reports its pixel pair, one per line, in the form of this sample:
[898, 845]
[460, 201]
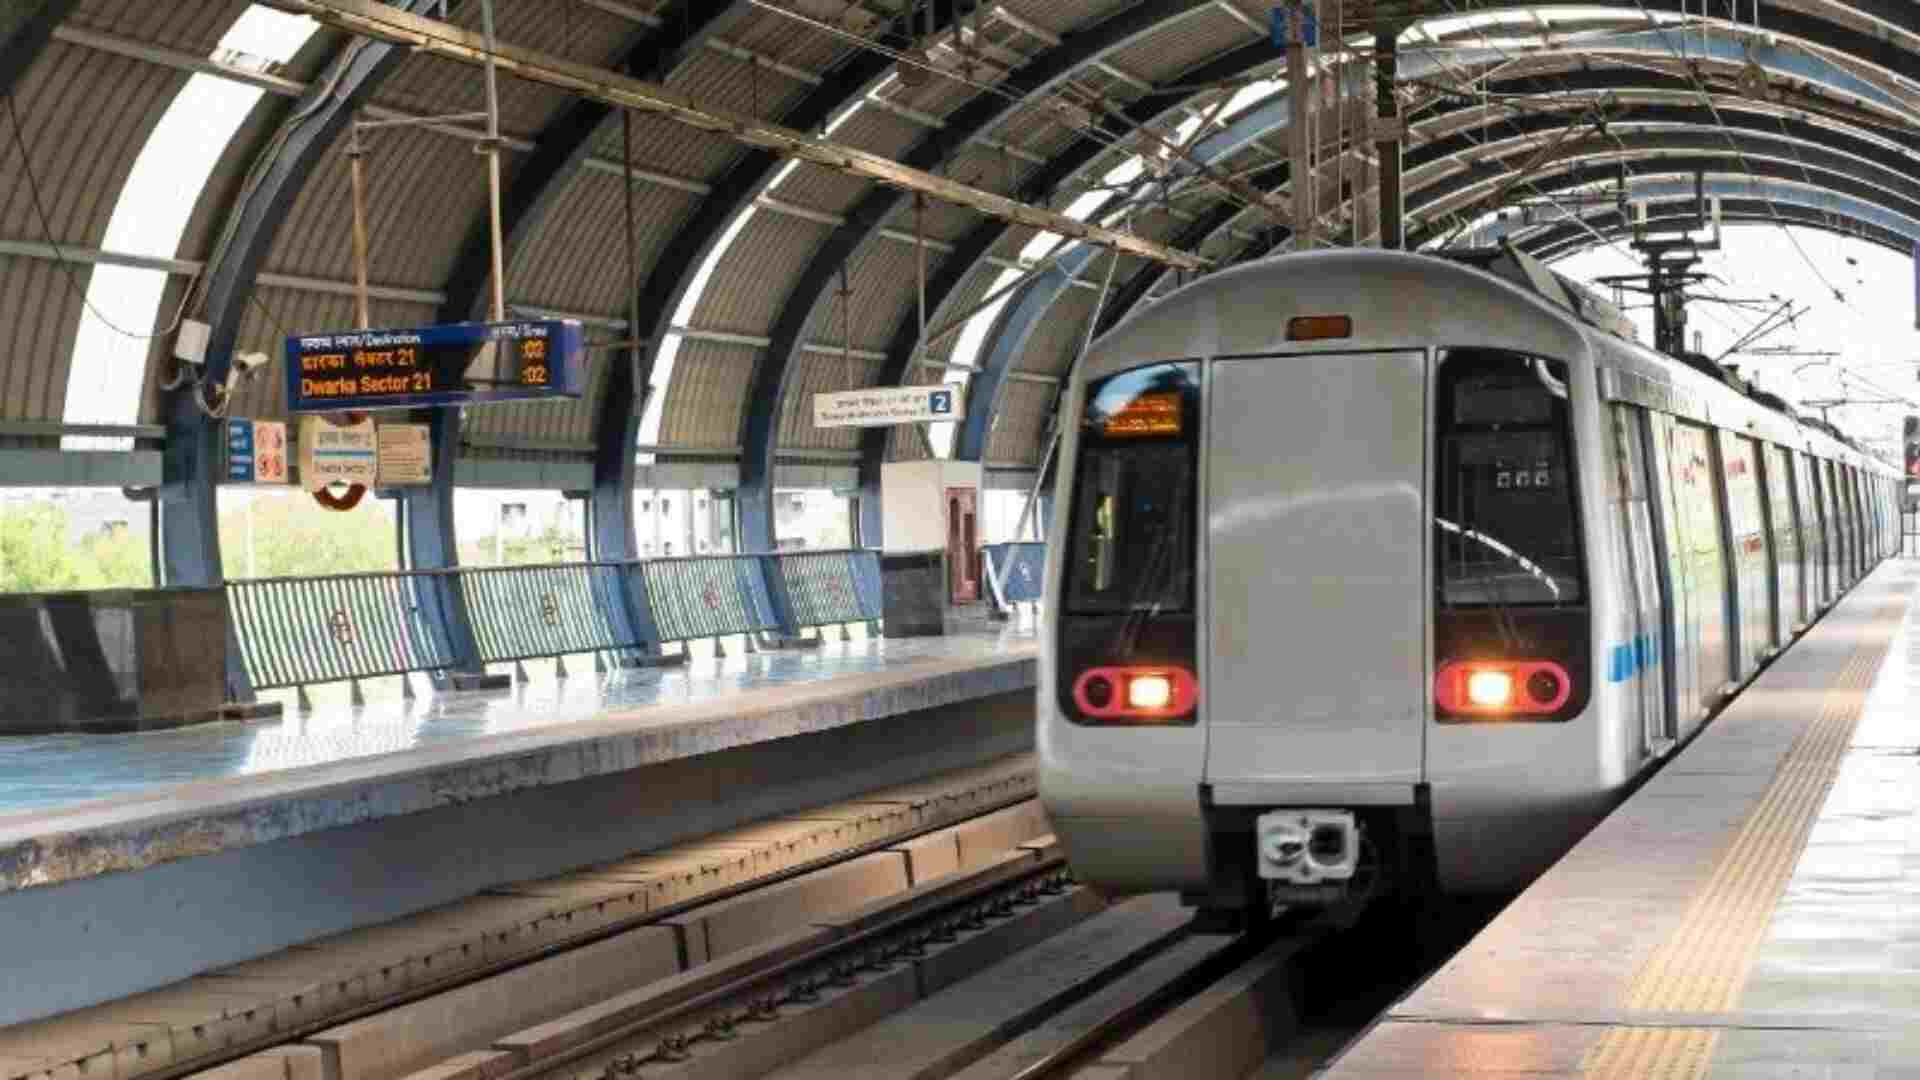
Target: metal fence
[703, 596]
[295, 631]
[522, 612]
[828, 587]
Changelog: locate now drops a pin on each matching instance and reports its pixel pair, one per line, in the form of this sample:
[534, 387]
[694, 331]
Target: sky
[1870, 325]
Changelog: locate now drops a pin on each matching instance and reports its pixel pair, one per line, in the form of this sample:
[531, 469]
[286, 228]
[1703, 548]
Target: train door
[1819, 571]
[1790, 609]
[1683, 634]
[1636, 660]
[1316, 678]
[1836, 530]
[1746, 548]
[1695, 542]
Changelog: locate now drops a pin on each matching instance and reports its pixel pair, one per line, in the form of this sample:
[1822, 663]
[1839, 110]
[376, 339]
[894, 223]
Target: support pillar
[432, 545]
[1387, 137]
[1301, 179]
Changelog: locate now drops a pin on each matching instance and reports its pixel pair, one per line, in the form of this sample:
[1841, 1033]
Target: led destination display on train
[434, 365]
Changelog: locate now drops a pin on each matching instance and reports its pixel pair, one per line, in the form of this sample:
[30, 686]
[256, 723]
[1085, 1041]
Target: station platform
[1752, 911]
[128, 861]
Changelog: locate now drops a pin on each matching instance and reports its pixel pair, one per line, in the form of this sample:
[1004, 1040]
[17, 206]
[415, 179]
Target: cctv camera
[250, 362]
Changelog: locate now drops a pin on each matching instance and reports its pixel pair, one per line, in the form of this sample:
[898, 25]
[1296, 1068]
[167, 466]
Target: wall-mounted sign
[454, 364]
[885, 405]
[256, 452]
[405, 455]
[337, 454]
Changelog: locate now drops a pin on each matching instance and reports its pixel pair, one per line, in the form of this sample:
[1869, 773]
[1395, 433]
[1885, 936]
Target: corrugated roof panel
[578, 261]
[790, 41]
[821, 190]
[1021, 423]
[548, 422]
[194, 28]
[1182, 44]
[40, 307]
[705, 399]
[812, 374]
[435, 86]
[662, 145]
[424, 192]
[720, 80]
[752, 281]
[1051, 347]
[991, 168]
[85, 117]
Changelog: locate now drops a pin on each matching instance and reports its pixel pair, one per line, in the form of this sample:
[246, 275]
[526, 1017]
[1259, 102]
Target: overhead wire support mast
[387, 23]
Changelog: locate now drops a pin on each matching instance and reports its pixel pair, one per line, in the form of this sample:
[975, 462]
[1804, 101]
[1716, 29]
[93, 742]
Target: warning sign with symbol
[256, 452]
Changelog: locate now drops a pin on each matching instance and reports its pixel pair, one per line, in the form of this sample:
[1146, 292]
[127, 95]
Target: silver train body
[1300, 500]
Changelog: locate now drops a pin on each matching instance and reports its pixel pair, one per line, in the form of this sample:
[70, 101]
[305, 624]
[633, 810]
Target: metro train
[1385, 571]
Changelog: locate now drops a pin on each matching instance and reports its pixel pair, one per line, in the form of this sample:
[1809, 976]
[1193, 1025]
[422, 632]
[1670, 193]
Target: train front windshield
[1504, 521]
[1131, 548]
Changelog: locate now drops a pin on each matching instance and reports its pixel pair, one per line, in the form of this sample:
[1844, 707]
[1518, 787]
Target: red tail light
[1501, 687]
[1135, 693]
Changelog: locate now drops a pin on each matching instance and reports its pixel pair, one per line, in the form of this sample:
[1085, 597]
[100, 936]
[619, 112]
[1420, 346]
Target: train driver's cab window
[1130, 546]
[1505, 528]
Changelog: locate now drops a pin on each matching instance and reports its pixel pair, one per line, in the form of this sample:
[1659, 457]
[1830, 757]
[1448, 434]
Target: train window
[1130, 546]
[1506, 531]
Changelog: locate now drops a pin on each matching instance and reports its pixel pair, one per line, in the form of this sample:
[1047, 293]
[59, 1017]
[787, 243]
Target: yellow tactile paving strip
[1703, 964]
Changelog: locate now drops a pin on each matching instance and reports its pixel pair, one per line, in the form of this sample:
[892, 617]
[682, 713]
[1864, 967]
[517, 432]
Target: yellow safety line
[1703, 964]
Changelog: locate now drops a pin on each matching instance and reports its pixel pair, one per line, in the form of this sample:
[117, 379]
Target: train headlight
[1489, 689]
[1149, 691]
[1501, 688]
[1136, 695]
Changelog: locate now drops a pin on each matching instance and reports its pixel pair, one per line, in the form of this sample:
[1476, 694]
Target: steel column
[190, 522]
[1018, 320]
[1386, 145]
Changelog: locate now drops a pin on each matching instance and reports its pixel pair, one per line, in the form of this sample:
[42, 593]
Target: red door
[963, 575]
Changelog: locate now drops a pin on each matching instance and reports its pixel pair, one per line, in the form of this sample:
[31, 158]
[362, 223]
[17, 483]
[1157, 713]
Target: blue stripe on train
[1630, 659]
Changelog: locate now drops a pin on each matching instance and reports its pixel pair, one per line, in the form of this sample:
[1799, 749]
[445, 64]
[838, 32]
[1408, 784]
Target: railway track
[1002, 968]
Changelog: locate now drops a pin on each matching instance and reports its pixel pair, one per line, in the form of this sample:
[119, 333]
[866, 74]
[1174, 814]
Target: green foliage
[34, 556]
[295, 536]
[37, 553]
[292, 535]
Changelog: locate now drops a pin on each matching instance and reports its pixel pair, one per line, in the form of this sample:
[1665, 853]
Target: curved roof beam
[25, 29]
[767, 393]
[1565, 238]
[1679, 152]
[1829, 29]
[1028, 307]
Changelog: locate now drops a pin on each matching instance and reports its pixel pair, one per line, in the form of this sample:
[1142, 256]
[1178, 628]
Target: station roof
[754, 283]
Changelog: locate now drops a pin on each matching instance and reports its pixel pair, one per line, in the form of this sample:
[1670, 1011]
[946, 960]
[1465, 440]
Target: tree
[34, 554]
[293, 536]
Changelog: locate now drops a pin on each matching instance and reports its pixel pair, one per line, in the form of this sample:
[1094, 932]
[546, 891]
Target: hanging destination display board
[452, 364]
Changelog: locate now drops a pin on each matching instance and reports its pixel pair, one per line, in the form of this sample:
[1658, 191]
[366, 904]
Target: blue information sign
[240, 451]
[404, 369]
